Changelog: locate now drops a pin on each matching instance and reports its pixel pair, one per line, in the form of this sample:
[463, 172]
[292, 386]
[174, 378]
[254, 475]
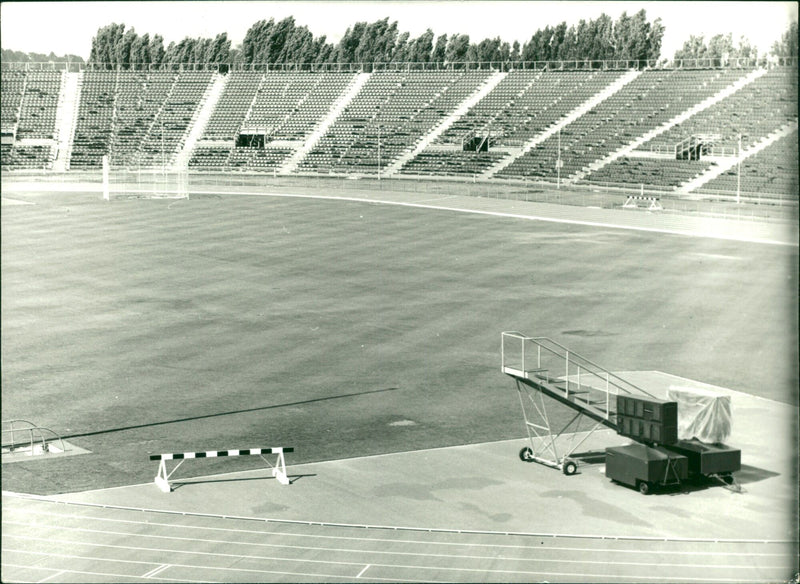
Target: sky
[68, 27]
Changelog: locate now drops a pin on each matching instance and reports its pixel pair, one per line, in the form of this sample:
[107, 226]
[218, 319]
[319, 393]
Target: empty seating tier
[650, 100]
[753, 112]
[281, 106]
[142, 118]
[39, 105]
[391, 113]
[93, 127]
[172, 124]
[29, 107]
[27, 157]
[771, 173]
[136, 118]
[523, 105]
[667, 173]
[13, 87]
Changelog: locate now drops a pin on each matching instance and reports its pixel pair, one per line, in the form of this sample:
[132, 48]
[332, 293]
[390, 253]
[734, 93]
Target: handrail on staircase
[31, 428]
[571, 355]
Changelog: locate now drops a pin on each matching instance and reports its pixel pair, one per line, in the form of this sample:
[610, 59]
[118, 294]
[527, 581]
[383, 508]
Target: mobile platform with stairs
[543, 368]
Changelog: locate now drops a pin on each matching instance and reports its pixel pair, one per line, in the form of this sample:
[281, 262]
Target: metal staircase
[542, 367]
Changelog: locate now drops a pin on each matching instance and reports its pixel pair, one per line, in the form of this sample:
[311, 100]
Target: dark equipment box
[708, 459]
[647, 419]
[643, 466]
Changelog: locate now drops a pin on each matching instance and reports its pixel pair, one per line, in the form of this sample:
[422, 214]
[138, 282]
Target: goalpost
[160, 183]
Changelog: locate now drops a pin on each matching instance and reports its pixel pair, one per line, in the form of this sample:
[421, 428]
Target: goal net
[144, 183]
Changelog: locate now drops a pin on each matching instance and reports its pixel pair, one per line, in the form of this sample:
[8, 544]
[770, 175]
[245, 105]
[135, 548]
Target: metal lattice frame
[542, 437]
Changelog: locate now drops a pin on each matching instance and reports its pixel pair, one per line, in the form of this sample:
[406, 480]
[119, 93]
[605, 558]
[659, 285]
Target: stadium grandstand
[687, 128]
[213, 253]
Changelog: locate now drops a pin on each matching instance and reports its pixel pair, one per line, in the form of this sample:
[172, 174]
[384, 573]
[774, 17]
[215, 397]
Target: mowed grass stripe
[140, 312]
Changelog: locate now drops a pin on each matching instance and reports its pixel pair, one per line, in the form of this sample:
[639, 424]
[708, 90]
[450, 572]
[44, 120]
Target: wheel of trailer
[526, 454]
[644, 487]
[570, 467]
[727, 478]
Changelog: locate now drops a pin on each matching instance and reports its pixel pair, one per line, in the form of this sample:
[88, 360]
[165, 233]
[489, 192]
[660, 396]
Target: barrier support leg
[279, 470]
[162, 478]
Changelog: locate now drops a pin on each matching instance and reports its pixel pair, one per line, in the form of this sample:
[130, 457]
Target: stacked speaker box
[647, 419]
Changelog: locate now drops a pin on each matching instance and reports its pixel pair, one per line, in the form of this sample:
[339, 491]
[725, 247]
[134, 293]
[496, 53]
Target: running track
[47, 541]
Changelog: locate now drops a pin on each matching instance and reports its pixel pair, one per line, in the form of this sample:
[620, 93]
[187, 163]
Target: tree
[401, 49]
[104, 45]
[440, 50]
[693, 48]
[140, 51]
[566, 48]
[123, 49]
[156, 50]
[603, 47]
[489, 50]
[505, 52]
[346, 51]
[9, 55]
[557, 41]
[746, 50]
[221, 48]
[721, 49]
[422, 48]
[654, 39]
[787, 45]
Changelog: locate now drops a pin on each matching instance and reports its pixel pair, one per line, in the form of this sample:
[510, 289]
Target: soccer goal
[127, 183]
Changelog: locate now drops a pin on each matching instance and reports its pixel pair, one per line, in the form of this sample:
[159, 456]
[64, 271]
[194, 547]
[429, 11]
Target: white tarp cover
[702, 414]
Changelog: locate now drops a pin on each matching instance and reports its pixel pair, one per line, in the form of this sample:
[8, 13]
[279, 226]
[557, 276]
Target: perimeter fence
[433, 191]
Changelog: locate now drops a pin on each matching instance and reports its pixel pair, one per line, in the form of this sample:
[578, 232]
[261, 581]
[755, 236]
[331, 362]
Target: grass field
[342, 328]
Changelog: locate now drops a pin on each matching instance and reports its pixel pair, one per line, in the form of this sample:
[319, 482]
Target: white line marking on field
[716, 256]
[442, 198]
[157, 570]
[361, 573]
[6, 201]
[728, 236]
[56, 575]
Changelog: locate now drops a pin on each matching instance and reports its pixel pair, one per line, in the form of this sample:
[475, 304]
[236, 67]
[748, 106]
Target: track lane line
[391, 540]
[381, 552]
[423, 556]
[103, 574]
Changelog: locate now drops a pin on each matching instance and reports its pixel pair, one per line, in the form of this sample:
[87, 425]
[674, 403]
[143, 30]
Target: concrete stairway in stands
[680, 118]
[586, 106]
[210, 100]
[438, 130]
[66, 117]
[725, 164]
[291, 163]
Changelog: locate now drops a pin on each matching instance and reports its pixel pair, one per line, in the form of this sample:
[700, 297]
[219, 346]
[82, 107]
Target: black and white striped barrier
[632, 203]
[278, 469]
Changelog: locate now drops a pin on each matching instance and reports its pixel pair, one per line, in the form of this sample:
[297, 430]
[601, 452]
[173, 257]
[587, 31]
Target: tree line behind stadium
[630, 38]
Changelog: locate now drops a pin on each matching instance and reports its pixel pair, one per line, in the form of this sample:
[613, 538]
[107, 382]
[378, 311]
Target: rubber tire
[569, 468]
[727, 479]
[526, 454]
[644, 487]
